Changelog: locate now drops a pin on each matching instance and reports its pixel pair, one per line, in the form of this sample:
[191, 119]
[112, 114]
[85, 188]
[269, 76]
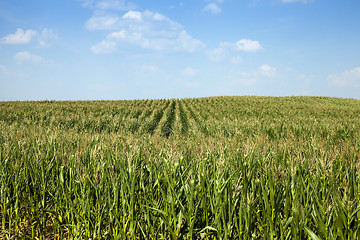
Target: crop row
[206, 168]
[227, 116]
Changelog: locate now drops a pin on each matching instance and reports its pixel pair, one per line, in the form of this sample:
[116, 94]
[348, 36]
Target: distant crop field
[204, 168]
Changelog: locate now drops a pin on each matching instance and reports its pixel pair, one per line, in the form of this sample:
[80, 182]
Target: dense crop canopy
[207, 168]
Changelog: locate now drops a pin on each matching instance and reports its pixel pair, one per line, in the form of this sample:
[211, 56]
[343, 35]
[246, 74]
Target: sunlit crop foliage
[205, 168]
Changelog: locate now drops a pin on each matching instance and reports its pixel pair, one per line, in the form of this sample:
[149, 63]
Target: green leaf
[311, 234]
[208, 228]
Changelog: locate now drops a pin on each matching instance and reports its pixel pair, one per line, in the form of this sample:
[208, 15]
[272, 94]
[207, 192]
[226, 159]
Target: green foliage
[208, 168]
[166, 129]
[152, 125]
[183, 119]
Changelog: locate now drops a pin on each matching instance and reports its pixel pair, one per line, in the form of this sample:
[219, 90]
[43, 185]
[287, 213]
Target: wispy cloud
[103, 22]
[245, 45]
[105, 46]
[265, 71]
[226, 50]
[217, 54]
[212, 8]
[24, 37]
[4, 70]
[145, 29]
[46, 37]
[349, 78]
[222, 54]
[189, 72]
[25, 56]
[20, 37]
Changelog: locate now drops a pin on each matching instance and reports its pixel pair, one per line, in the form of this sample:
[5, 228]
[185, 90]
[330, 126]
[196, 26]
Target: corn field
[204, 168]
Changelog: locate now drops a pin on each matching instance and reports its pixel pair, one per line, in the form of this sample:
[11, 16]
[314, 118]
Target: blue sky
[120, 49]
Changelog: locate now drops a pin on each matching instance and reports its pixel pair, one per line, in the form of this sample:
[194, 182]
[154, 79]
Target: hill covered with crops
[204, 168]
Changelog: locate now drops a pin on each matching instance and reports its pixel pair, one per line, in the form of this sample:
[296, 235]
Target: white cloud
[20, 37]
[146, 29]
[185, 42]
[133, 15]
[212, 8]
[160, 17]
[189, 72]
[349, 78]
[245, 45]
[134, 21]
[25, 56]
[107, 22]
[264, 72]
[217, 54]
[267, 71]
[118, 35]
[28, 36]
[87, 3]
[47, 36]
[105, 46]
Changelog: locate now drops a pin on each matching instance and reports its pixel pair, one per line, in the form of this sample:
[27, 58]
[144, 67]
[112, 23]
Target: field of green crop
[205, 168]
